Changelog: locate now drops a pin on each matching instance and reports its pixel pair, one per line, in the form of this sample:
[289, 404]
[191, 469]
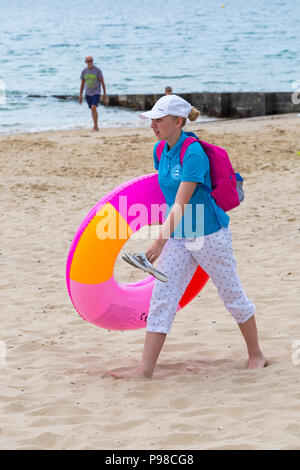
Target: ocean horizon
[220, 46]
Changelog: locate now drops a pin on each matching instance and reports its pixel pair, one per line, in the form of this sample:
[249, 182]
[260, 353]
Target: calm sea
[141, 46]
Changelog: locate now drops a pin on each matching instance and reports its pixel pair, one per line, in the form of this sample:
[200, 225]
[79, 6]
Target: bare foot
[129, 373]
[96, 129]
[257, 362]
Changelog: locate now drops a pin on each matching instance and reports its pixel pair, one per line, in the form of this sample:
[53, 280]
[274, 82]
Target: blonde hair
[194, 114]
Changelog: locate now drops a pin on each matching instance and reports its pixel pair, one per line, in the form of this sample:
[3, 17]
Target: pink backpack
[227, 186]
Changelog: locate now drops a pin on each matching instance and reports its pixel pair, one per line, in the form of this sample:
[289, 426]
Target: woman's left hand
[155, 250]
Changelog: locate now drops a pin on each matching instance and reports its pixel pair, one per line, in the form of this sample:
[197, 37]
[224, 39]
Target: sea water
[141, 47]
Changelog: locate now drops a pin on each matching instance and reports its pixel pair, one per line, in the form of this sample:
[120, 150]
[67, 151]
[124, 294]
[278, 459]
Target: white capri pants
[179, 260]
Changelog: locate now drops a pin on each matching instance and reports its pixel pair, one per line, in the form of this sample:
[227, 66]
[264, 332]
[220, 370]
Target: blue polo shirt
[202, 215]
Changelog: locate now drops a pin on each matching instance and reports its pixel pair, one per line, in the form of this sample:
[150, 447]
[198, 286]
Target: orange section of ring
[99, 246]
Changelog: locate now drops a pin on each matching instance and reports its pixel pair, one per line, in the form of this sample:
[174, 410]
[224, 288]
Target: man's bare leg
[249, 332]
[95, 117]
[152, 348]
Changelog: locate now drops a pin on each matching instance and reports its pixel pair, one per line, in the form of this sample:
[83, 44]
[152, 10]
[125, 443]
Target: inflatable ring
[95, 294]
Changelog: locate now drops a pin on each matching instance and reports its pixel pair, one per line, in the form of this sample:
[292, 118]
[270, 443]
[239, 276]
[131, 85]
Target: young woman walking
[210, 247]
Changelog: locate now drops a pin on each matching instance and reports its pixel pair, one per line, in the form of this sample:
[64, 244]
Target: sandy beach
[55, 390]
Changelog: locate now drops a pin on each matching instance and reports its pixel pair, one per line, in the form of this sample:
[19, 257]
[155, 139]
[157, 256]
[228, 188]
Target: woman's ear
[179, 122]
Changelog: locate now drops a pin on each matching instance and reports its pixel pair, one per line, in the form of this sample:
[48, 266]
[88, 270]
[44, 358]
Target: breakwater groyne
[235, 105]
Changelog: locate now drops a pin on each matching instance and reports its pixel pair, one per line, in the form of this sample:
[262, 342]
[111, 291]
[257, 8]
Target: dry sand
[55, 391]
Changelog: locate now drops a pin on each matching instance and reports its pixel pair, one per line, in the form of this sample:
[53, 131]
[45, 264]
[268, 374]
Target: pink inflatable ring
[95, 294]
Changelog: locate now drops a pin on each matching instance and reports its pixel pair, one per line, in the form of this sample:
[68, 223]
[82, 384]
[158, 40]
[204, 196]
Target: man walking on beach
[92, 79]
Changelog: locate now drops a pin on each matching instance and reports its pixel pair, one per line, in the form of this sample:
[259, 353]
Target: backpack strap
[160, 148]
[188, 141]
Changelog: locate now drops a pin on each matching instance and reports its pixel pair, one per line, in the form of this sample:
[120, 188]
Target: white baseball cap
[168, 104]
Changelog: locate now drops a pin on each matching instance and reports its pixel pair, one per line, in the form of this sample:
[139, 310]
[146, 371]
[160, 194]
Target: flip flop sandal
[125, 258]
[141, 261]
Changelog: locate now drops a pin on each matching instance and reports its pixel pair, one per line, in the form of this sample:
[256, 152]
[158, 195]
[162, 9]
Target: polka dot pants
[179, 260]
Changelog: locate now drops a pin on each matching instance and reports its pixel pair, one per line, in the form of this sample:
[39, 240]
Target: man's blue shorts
[92, 100]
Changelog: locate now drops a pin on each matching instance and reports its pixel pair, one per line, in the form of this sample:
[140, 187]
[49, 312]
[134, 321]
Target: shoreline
[127, 125]
[144, 125]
